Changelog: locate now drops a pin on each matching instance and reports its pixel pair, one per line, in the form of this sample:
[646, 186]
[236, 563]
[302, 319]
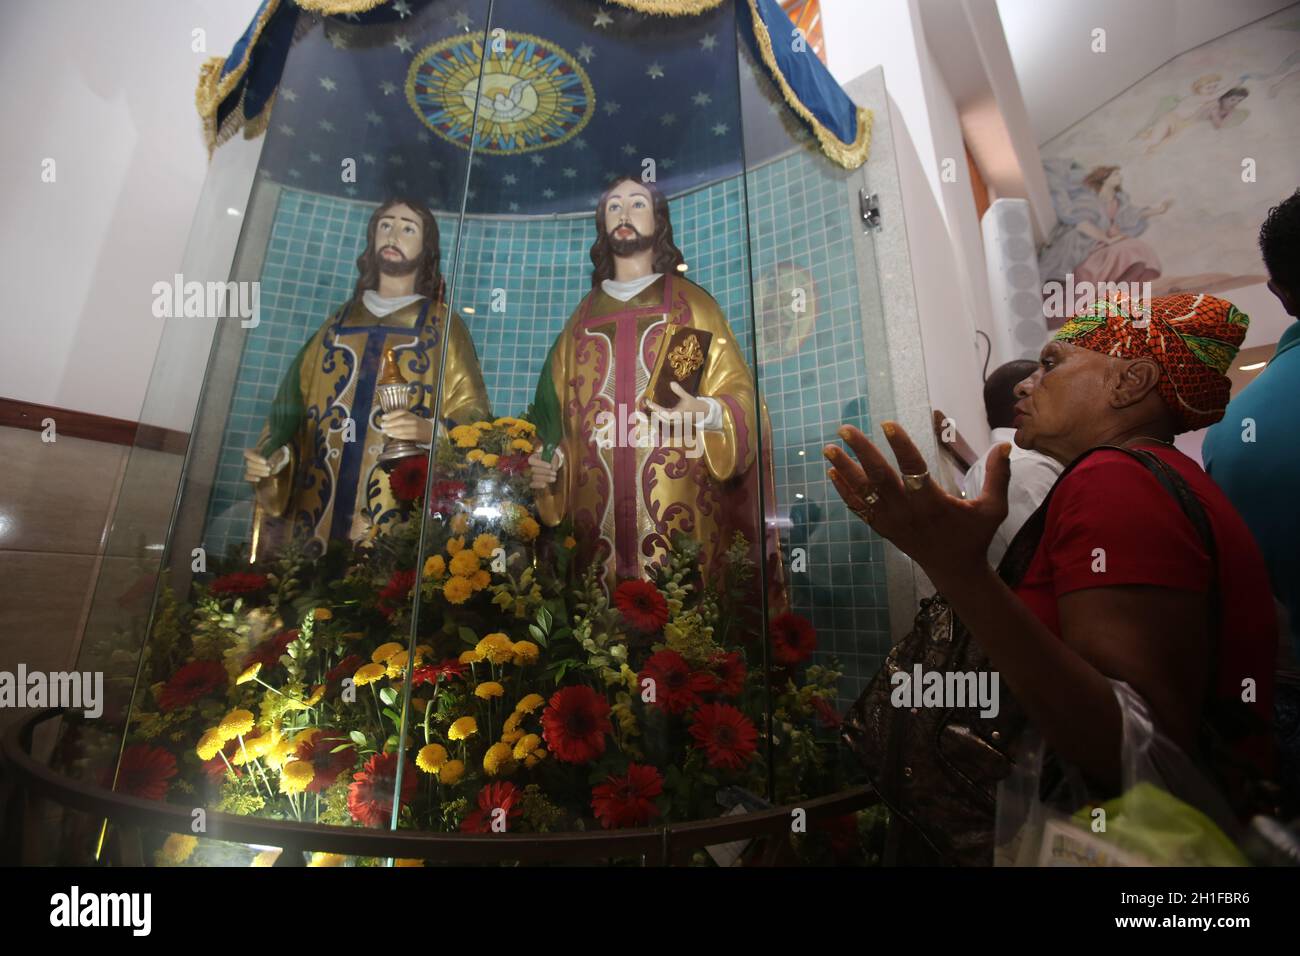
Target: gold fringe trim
[849, 155]
[333, 8]
[213, 88]
[669, 8]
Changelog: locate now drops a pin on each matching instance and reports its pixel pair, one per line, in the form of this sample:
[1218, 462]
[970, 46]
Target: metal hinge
[870, 203]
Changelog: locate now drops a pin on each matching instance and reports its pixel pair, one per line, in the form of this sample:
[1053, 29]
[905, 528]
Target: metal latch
[870, 203]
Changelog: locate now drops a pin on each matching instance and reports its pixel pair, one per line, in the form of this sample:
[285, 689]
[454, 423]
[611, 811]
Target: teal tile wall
[797, 214]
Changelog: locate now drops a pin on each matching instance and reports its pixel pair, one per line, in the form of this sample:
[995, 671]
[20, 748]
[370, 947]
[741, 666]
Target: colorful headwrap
[1193, 338]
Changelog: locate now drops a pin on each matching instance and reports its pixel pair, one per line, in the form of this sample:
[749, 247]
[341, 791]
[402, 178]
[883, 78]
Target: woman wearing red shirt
[1119, 587]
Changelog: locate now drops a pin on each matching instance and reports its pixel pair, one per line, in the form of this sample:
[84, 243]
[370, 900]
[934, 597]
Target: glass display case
[502, 508]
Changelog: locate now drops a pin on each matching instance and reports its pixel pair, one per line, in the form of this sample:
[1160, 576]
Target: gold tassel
[670, 8]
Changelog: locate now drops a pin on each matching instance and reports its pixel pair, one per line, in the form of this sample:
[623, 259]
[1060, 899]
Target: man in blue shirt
[1254, 452]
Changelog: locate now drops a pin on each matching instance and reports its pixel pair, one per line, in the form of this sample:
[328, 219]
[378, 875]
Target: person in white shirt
[1032, 473]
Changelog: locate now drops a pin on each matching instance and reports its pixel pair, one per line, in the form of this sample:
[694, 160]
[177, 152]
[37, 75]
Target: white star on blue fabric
[668, 119]
[667, 162]
[288, 94]
[603, 19]
[435, 164]
[514, 207]
[286, 129]
[461, 19]
[537, 160]
[313, 157]
[422, 136]
[350, 190]
[402, 8]
[579, 142]
[548, 193]
[396, 160]
[388, 87]
[295, 174]
[720, 129]
[654, 71]
[368, 158]
[585, 53]
[338, 41]
[702, 99]
[509, 179]
[401, 184]
[569, 172]
[328, 84]
[708, 42]
[610, 107]
[402, 43]
[326, 125]
[373, 117]
[629, 149]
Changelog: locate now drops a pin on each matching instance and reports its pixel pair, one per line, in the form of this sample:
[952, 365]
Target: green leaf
[358, 738]
[340, 747]
[537, 634]
[544, 618]
[387, 695]
[392, 715]
[468, 636]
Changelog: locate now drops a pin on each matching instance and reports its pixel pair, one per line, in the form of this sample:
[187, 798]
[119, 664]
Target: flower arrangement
[462, 670]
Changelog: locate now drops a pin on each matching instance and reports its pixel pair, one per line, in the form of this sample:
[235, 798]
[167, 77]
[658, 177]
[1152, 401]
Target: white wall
[107, 91]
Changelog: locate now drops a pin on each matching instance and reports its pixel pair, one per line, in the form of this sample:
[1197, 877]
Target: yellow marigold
[464, 563]
[521, 427]
[525, 652]
[530, 703]
[384, 651]
[475, 455]
[485, 544]
[260, 745]
[505, 421]
[249, 672]
[368, 674]
[512, 722]
[470, 657]
[403, 861]
[306, 735]
[489, 689]
[480, 580]
[178, 847]
[462, 728]
[435, 566]
[526, 745]
[570, 541]
[327, 859]
[455, 546]
[317, 693]
[483, 426]
[497, 761]
[490, 461]
[465, 436]
[296, 775]
[235, 724]
[521, 444]
[459, 523]
[397, 664]
[266, 858]
[528, 528]
[457, 590]
[431, 758]
[323, 614]
[452, 771]
[210, 744]
[512, 736]
[497, 648]
[279, 752]
[534, 758]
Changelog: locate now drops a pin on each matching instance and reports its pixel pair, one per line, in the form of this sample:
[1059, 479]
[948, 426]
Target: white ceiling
[1063, 80]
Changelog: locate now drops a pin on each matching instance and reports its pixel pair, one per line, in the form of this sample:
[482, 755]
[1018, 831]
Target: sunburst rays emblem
[533, 95]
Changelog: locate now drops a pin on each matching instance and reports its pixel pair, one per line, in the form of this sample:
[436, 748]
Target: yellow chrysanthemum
[451, 772]
[526, 745]
[431, 758]
[480, 580]
[305, 736]
[279, 752]
[458, 590]
[235, 723]
[498, 761]
[570, 542]
[505, 421]
[489, 689]
[249, 672]
[259, 746]
[521, 428]
[177, 848]
[485, 544]
[490, 461]
[470, 657]
[512, 736]
[530, 703]
[296, 775]
[459, 523]
[266, 858]
[475, 455]
[323, 614]
[512, 722]
[368, 674]
[525, 652]
[521, 444]
[435, 567]
[317, 693]
[455, 546]
[397, 663]
[497, 648]
[465, 436]
[384, 651]
[210, 744]
[464, 563]
[327, 859]
[462, 728]
[528, 528]
[534, 758]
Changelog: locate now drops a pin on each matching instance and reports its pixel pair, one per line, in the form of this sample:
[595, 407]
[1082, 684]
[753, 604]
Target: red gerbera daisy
[192, 682]
[513, 464]
[238, 584]
[395, 591]
[725, 734]
[575, 722]
[407, 480]
[642, 605]
[730, 669]
[444, 495]
[144, 772]
[628, 801]
[430, 673]
[793, 639]
[495, 796]
[676, 689]
[344, 668]
[370, 797]
[319, 752]
[269, 652]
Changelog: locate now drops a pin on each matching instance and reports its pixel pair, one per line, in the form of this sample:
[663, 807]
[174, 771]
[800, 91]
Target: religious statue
[645, 407]
[319, 464]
